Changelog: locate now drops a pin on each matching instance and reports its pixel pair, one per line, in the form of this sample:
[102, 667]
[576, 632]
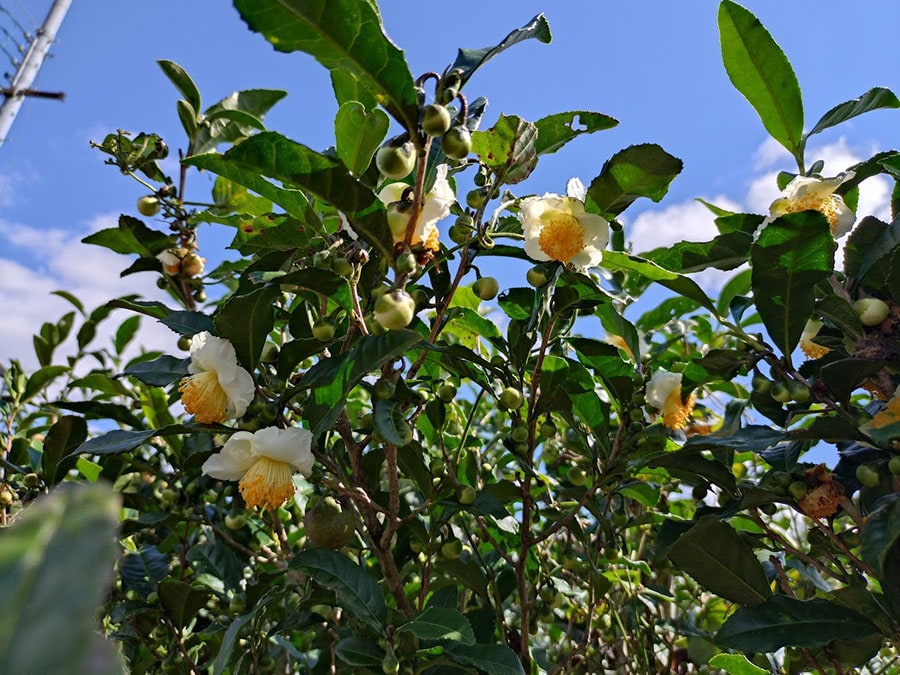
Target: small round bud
[457, 143]
[452, 549]
[395, 309]
[511, 398]
[476, 198]
[384, 389]
[781, 392]
[200, 295]
[435, 120]
[799, 392]
[761, 384]
[148, 205]
[323, 329]
[192, 265]
[447, 392]
[577, 476]
[31, 480]
[537, 277]
[184, 343]
[871, 311]
[486, 288]
[405, 263]
[548, 429]
[798, 489]
[519, 433]
[235, 521]
[465, 494]
[396, 161]
[868, 475]
[700, 491]
[458, 235]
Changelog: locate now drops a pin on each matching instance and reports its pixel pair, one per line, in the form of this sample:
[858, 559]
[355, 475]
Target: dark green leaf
[844, 376]
[67, 433]
[782, 621]
[66, 536]
[493, 659]
[345, 34]
[440, 623]
[508, 148]
[278, 157]
[126, 333]
[470, 60]
[881, 535]
[637, 171]
[122, 440]
[155, 309]
[869, 251]
[180, 600]
[718, 559]
[189, 323]
[875, 98]
[688, 465]
[762, 73]
[736, 664]
[390, 422]
[330, 380]
[682, 285]
[358, 651]
[246, 320]
[219, 560]
[182, 81]
[791, 256]
[41, 378]
[554, 131]
[131, 236]
[725, 252]
[234, 118]
[356, 590]
[321, 281]
[359, 133]
[159, 372]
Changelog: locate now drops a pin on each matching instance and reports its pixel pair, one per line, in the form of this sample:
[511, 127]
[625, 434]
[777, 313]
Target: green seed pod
[323, 329]
[476, 198]
[537, 277]
[576, 476]
[396, 161]
[405, 263]
[871, 311]
[486, 288]
[384, 389]
[447, 392]
[868, 475]
[512, 398]
[465, 494]
[148, 205]
[436, 120]
[395, 309]
[457, 143]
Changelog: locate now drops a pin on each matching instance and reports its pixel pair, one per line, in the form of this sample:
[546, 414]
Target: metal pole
[31, 64]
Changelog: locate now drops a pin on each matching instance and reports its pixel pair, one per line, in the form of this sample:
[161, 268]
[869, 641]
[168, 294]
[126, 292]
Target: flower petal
[292, 446]
[233, 460]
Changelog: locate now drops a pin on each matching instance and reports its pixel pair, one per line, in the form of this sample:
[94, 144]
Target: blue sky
[653, 64]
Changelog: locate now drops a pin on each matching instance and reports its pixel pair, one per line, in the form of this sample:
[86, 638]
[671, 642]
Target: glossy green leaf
[760, 71]
[725, 252]
[470, 60]
[875, 98]
[359, 133]
[40, 379]
[189, 323]
[390, 422]
[869, 252]
[187, 115]
[508, 148]
[234, 118]
[689, 465]
[347, 87]
[791, 256]
[246, 320]
[278, 157]
[131, 236]
[182, 81]
[230, 638]
[718, 559]
[881, 537]
[218, 560]
[554, 131]
[357, 591]
[494, 659]
[159, 372]
[180, 600]
[736, 664]
[782, 621]
[125, 333]
[682, 285]
[637, 171]
[65, 536]
[358, 651]
[330, 380]
[123, 440]
[345, 34]
[440, 623]
[66, 434]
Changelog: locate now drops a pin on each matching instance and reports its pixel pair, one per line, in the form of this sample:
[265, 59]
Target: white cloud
[689, 221]
[36, 262]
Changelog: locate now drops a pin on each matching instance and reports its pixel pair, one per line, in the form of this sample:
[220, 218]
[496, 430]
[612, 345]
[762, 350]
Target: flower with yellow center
[890, 414]
[558, 228]
[218, 388]
[806, 193]
[664, 394]
[436, 207]
[811, 348]
[264, 463]
[170, 261]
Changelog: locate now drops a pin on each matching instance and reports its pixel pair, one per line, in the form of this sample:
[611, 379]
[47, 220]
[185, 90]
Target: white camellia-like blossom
[218, 388]
[436, 207]
[263, 462]
[664, 394]
[807, 193]
[558, 228]
[808, 340]
[171, 263]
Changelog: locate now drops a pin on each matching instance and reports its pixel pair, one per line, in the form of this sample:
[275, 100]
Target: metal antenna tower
[20, 85]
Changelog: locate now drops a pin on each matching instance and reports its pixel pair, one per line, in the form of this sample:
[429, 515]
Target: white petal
[845, 219]
[661, 386]
[533, 249]
[292, 446]
[392, 192]
[575, 189]
[240, 391]
[209, 352]
[233, 460]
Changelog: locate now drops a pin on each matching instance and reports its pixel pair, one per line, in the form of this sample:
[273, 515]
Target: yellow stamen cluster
[562, 238]
[203, 397]
[677, 413]
[889, 415]
[812, 349]
[267, 484]
[827, 205]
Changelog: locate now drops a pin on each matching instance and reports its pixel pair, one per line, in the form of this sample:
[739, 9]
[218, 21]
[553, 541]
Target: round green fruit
[512, 398]
[384, 389]
[447, 392]
[457, 143]
[548, 429]
[871, 311]
[537, 277]
[799, 392]
[236, 520]
[323, 329]
[486, 288]
[781, 392]
[761, 385]
[328, 524]
[894, 465]
[459, 235]
[476, 198]
[452, 549]
[868, 475]
[798, 489]
[395, 310]
[148, 205]
[519, 433]
[436, 120]
[577, 476]
[405, 263]
[396, 161]
[465, 494]
[343, 267]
